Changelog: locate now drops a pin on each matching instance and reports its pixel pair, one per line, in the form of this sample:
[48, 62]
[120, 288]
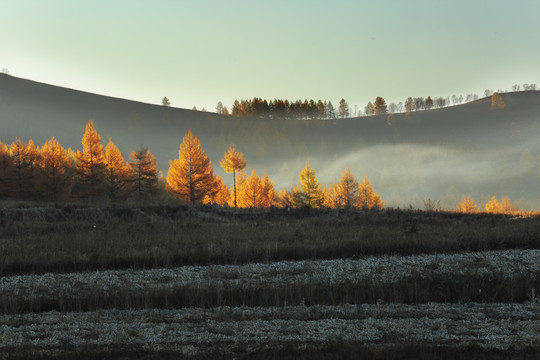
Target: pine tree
[165, 102]
[380, 107]
[117, 173]
[90, 165]
[310, 193]
[144, 173]
[232, 162]
[467, 205]
[191, 177]
[56, 166]
[368, 199]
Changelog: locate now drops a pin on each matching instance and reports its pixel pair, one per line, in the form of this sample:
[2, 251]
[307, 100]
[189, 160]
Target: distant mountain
[437, 154]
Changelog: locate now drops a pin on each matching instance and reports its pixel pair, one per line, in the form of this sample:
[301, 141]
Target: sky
[200, 52]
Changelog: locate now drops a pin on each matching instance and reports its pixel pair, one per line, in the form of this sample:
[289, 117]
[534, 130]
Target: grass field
[168, 282]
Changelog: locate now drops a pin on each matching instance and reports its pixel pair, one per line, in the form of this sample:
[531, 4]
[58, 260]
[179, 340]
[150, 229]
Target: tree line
[100, 173]
[51, 172]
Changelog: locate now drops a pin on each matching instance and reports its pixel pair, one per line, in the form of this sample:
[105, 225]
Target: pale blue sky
[199, 52]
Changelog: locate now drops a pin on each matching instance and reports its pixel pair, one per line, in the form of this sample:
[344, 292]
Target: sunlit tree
[310, 193]
[144, 173]
[221, 197]
[117, 178]
[233, 161]
[368, 199]
[19, 178]
[345, 193]
[250, 193]
[467, 205]
[190, 177]
[56, 165]
[5, 164]
[379, 107]
[268, 191]
[90, 165]
[497, 101]
[503, 207]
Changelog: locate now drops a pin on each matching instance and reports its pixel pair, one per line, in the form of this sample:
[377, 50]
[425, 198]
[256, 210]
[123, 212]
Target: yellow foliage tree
[467, 205]
[19, 178]
[5, 164]
[221, 197]
[497, 101]
[90, 166]
[368, 199]
[503, 207]
[117, 178]
[282, 199]
[345, 193]
[144, 173]
[268, 191]
[191, 177]
[232, 162]
[55, 164]
[310, 193]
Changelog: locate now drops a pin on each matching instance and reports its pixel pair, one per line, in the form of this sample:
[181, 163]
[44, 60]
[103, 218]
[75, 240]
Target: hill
[438, 154]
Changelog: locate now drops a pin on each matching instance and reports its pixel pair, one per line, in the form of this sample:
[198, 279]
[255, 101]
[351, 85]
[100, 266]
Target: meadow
[169, 281]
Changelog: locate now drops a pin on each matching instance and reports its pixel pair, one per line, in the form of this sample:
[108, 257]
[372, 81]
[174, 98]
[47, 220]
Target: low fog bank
[408, 174]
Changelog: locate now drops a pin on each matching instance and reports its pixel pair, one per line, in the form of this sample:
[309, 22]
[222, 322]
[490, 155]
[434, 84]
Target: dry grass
[77, 238]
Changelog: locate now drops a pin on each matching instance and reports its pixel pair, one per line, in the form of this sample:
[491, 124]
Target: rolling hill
[438, 154]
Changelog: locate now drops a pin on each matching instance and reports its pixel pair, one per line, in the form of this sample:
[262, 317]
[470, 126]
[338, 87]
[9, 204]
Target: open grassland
[168, 282]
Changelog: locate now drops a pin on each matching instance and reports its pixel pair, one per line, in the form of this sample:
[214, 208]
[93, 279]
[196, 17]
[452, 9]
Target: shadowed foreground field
[168, 282]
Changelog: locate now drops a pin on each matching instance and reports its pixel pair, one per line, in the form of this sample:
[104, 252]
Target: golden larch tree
[497, 101]
[117, 178]
[5, 164]
[56, 166]
[221, 197]
[90, 166]
[268, 191]
[233, 161]
[345, 192]
[467, 205]
[19, 176]
[250, 192]
[310, 193]
[368, 199]
[282, 199]
[144, 173]
[504, 207]
[190, 177]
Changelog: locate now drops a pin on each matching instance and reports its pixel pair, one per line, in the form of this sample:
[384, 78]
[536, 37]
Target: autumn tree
[90, 165]
[268, 191]
[345, 193]
[57, 170]
[429, 103]
[310, 193]
[497, 101]
[369, 109]
[467, 205]
[191, 177]
[379, 107]
[117, 173]
[221, 197]
[343, 109]
[504, 207]
[409, 106]
[250, 192]
[19, 174]
[368, 199]
[144, 173]
[5, 164]
[232, 162]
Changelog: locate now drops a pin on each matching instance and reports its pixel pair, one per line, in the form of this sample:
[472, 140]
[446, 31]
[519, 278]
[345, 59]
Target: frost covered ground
[225, 329]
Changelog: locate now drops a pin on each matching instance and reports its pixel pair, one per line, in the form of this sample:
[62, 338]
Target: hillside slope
[441, 154]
